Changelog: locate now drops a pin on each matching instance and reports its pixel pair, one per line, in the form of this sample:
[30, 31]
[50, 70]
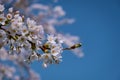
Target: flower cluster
[7, 73]
[49, 16]
[17, 70]
[20, 35]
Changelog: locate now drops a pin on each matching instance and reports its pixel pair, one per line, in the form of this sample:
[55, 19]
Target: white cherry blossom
[51, 39]
[1, 8]
[2, 19]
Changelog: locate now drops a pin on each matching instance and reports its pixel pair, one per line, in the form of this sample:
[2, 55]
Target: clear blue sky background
[98, 26]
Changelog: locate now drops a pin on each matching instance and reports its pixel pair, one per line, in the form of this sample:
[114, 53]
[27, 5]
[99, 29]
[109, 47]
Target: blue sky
[98, 26]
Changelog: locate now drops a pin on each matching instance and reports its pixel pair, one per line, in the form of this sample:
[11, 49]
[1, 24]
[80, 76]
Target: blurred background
[97, 23]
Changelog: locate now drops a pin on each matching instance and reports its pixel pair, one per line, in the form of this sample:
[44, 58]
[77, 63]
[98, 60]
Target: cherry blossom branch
[20, 34]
